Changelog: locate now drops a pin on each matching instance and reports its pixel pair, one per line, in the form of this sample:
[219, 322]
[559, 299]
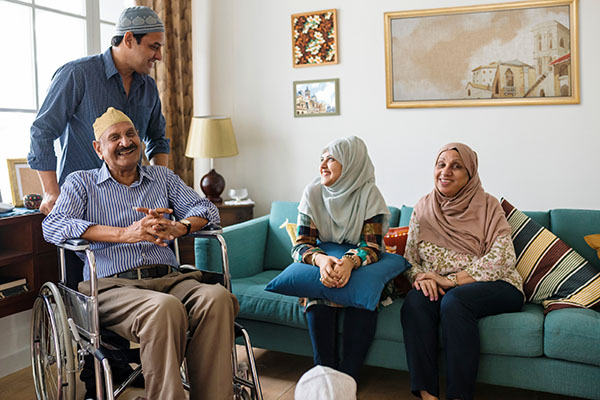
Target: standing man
[83, 89]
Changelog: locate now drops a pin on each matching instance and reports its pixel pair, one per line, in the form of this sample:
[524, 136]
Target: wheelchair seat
[66, 334]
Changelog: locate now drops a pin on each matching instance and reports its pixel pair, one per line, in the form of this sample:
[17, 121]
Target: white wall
[538, 157]
[14, 342]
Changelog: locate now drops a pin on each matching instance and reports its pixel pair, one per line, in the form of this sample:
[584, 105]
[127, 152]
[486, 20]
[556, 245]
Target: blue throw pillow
[362, 291]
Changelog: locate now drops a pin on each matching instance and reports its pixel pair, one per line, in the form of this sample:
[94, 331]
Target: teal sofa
[559, 353]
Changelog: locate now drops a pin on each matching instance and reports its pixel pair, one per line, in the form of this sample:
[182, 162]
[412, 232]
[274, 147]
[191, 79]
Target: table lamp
[211, 137]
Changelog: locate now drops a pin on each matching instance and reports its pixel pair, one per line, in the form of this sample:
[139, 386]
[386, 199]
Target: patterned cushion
[594, 242]
[553, 273]
[395, 240]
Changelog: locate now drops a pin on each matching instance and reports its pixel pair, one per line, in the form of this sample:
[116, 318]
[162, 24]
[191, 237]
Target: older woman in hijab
[342, 205]
[463, 268]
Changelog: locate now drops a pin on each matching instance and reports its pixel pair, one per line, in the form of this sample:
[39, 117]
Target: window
[564, 70]
[510, 78]
[43, 35]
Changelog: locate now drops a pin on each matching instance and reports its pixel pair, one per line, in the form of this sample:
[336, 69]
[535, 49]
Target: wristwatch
[453, 279]
[187, 224]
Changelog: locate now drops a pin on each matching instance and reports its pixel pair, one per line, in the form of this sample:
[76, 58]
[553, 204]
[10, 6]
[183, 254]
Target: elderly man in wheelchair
[120, 209]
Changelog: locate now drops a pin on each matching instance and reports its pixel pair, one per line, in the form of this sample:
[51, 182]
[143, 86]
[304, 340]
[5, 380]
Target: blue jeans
[458, 312]
[358, 332]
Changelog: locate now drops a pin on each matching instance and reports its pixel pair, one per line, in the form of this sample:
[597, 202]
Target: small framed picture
[23, 180]
[316, 98]
[314, 38]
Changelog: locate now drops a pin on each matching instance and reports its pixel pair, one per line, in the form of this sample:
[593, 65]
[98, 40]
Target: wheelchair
[65, 328]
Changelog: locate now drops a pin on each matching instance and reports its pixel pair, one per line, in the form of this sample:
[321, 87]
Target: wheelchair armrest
[208, 230]
[77, 244]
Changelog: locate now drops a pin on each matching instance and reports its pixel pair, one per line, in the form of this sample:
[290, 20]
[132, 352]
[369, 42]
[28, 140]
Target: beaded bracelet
[352, 258]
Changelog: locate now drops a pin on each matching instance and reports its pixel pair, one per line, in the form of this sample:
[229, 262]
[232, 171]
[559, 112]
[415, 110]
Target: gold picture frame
[314, 38]
[521, 53]
[23, 180]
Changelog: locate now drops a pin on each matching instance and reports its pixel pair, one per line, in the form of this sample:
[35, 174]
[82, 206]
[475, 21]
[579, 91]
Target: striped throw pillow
[554, 274]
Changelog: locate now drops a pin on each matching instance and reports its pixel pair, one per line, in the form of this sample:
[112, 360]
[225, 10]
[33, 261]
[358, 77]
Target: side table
[230, 214]
[235, 213]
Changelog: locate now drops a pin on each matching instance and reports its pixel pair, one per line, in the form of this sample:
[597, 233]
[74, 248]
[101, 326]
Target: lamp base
[212, 184]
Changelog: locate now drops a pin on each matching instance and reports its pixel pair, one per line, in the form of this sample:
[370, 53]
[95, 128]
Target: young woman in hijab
[342, 205]
[463, 269]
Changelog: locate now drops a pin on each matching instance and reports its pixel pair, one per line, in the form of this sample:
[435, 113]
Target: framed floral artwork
[518, 53]
[314, 38]
[316, 98]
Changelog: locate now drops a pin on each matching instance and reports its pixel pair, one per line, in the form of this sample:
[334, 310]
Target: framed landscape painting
[316, 98]
[520, 53]
[314, 38]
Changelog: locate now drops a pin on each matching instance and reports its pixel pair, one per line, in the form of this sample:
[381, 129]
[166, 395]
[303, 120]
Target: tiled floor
[279, 373]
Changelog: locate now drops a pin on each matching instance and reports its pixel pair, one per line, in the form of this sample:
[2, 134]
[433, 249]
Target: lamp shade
[211, 137]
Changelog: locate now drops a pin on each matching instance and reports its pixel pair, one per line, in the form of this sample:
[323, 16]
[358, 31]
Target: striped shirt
[80, 92]
[94, 197]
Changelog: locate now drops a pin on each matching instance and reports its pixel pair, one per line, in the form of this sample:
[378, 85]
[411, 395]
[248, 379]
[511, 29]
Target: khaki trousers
[157, 313]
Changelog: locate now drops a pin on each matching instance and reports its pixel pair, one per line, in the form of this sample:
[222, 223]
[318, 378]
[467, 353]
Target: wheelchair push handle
[209, 229]
[76, 244]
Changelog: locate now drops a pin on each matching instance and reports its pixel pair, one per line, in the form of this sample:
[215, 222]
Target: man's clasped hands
[154, 227]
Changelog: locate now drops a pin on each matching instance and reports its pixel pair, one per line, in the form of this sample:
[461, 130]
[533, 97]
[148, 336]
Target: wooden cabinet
[230, 215]
[25, 254]
[234, 214]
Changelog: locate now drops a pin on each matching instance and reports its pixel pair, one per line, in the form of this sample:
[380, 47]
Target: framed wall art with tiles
[314, 38]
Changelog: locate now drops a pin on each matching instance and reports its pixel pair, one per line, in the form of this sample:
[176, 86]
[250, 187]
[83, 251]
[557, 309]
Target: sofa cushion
[362, 291]
[594, 242]
[572, 225]
[258, 304]
[395, 240]
[573, 335]
[405, 213]
[512, 334]
[553, 273]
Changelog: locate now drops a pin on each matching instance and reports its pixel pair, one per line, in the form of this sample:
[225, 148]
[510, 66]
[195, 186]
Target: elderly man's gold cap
[111, 117]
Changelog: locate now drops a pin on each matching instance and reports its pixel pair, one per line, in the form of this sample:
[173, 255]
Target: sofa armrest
[246, 244]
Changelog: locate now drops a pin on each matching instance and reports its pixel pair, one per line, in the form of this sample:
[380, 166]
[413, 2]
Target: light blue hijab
[340, 210]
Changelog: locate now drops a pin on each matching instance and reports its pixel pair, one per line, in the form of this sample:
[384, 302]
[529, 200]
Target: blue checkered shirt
[80, 92]
[94, 197]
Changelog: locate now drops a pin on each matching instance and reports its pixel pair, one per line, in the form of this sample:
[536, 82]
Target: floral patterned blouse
[498, 264]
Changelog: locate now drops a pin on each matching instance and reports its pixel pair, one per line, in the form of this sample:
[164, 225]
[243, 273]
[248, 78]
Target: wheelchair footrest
[121, 355]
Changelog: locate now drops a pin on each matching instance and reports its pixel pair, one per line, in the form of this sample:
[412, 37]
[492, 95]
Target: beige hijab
[470, 221]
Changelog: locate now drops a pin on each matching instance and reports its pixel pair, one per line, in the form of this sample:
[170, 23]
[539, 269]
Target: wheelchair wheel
[241, 393]
[51, 347]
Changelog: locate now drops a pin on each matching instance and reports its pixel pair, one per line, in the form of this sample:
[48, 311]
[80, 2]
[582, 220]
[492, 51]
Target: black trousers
[358, 332]
[458, 312]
